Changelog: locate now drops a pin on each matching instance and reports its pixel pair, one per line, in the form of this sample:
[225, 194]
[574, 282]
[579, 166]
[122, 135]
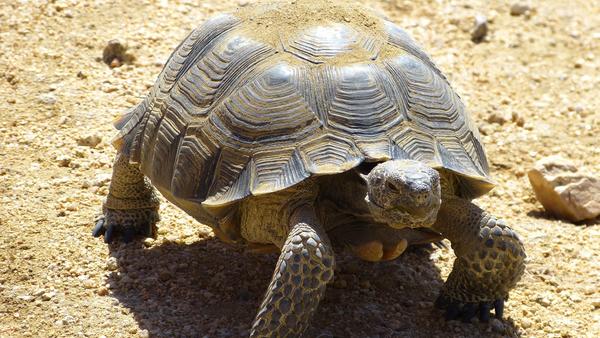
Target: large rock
[565, 190]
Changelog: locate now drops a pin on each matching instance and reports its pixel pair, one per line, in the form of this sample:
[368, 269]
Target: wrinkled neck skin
[403, 193]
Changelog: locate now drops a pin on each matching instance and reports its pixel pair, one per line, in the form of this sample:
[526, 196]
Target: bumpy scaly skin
[304, 268]
[131, 207]
[403, 193]
[489, 263]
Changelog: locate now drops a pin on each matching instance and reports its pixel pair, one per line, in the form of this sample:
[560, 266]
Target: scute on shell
[236, 112]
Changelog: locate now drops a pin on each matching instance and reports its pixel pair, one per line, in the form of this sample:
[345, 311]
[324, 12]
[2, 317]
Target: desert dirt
[531, 85]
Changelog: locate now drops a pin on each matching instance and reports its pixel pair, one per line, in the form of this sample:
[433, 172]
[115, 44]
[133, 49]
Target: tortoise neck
[448, 183]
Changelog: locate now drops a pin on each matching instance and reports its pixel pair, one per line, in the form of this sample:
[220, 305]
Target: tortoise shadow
[210, 289]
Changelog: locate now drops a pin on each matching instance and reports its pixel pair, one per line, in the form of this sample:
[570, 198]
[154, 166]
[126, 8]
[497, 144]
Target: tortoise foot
[466, 311]
[126, 225]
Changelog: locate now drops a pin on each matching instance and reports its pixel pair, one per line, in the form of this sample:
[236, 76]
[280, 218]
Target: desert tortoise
[302, 125]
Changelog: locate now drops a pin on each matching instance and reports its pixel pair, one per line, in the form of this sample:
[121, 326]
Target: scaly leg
[489, 263]
[304, 268]
[131, 207]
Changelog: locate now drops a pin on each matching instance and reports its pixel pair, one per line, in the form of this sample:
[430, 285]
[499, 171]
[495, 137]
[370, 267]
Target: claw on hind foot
[467, 311]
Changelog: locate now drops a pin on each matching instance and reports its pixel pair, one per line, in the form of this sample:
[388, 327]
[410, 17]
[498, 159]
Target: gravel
[47, 210]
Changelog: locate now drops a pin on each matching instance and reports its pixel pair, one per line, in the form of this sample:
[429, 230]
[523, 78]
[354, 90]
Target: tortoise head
[403, 193]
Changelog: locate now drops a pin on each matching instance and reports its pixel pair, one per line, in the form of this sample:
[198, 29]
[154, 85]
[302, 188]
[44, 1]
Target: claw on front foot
[99, 227]
[465, 311]
[126, 224]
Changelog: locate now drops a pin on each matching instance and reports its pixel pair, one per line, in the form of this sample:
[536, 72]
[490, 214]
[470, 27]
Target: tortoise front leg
[304, 268]
[131, 207]
[489, 263]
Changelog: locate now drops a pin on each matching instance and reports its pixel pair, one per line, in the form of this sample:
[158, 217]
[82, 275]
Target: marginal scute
[197, 40]
[124, 139]
[193, 48]
[167, 138]
[439, 120]
[195, 167]
[277, 169]
[376, 148]
[200, 40]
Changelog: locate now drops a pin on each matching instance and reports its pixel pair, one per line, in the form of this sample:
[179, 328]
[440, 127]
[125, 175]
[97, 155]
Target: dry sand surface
[532, 86]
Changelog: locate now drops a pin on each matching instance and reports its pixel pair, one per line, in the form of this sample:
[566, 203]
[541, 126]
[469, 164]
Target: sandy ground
[532, 87]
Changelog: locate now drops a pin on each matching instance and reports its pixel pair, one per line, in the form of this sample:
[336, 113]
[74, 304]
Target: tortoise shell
[256, 101]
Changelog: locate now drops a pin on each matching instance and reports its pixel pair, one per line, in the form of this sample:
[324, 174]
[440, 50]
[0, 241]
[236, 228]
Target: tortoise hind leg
[131, 207]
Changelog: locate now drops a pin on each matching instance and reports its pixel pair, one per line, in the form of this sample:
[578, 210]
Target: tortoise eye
[392, 187]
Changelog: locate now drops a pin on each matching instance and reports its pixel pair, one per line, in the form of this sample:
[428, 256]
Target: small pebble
[526, 323]
[544, 301]
[485, 129]
[115, 53]
[114, 64]
[48, 99]
[518, 119]
[91, 140]
[148, 242]
[63, 160]
[365, 284]
[102, 180]
[48, 296]
[164, 275]
[112, 264]
[26, 298]
[89, 284]
[480, 29]
[499, 117]
[519, 8]
[340, 284]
